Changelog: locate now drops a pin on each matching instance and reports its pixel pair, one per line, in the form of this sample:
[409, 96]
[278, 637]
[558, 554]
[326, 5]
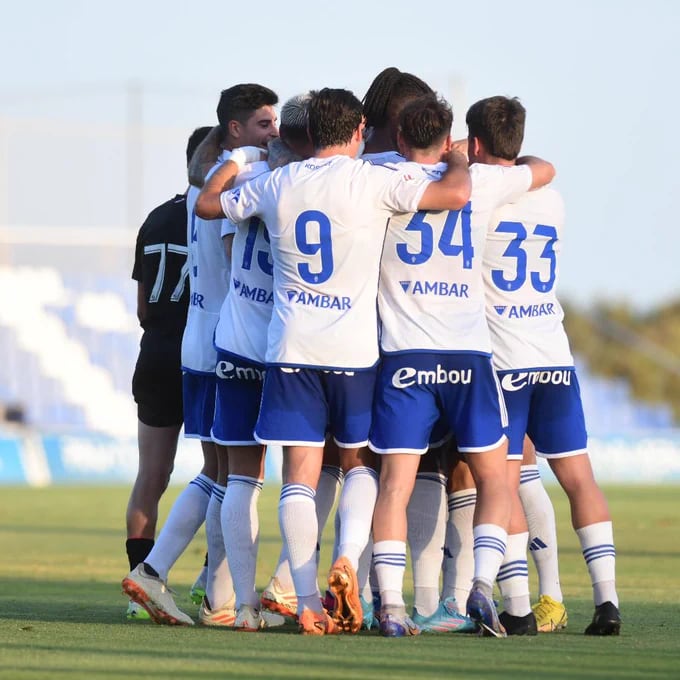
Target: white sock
[513, 576]
[489, 549]
[330, 481]
[540, 514]
[357, 501]
[219, 588]
[185, 518]
[389, 558]
[459, 561]
[297, 519]
[597, 544]
[241, 529]
[426, 514]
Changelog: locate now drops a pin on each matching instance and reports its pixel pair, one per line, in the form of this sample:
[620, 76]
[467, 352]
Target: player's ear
[448, 144]
[401, 144]
[234, 129]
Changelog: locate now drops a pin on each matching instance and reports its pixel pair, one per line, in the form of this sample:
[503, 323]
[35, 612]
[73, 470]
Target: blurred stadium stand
[70, 342]
[70, 351]
[69, 339]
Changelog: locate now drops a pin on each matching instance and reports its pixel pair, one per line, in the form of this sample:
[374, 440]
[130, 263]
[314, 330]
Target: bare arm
[204, 157]
[452, 191]
[542, 172]
[461, 145]
[208, 204]
[280, 154]
[141, 302]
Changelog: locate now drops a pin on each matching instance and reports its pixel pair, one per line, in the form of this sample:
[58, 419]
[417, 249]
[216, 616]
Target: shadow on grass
[96, 531]
[88, 602]
[63, 529]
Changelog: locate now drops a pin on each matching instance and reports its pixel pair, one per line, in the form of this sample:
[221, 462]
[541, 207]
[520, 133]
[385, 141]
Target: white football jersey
[326, 219]
[247, 308]
[431, 293]
[209, 270]
[383, 157]
[520, 275]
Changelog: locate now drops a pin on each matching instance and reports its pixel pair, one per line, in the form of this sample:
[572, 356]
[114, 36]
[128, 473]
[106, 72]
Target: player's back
[209, 271]
[161, 266]
[521, 268]
[326, 219]
[247, 307]
[431, 294]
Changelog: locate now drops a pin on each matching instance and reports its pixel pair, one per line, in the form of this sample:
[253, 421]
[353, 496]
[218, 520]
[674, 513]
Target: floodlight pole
[4, 173]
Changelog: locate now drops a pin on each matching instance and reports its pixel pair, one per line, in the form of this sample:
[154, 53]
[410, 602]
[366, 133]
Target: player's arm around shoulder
[204, 157]
[542, 172]
[452, 191]
[209, 202]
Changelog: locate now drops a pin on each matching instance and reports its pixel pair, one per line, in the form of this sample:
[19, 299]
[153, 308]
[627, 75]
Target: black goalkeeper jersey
[161, 265]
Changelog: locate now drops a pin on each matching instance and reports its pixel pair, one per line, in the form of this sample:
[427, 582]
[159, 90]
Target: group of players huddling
[380, 302]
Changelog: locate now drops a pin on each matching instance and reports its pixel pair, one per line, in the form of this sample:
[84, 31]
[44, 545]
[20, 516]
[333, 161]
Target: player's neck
[488, 159]
[380, 141]
[337, 150]
[424, 156]
[230, 144]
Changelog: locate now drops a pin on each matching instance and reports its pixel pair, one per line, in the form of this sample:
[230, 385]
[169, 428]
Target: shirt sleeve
[399, 190]
[501, 183]
[227, 227]
[245, 201]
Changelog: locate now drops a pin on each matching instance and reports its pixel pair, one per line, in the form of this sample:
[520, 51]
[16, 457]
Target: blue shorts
[299, 405]
[417, 391]
[546, 405]
[239, 390]
[198, 390]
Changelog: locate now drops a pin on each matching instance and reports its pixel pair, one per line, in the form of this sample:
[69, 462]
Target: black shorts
[157, 381]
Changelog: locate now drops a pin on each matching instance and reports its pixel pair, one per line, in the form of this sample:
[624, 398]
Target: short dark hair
[239, 102]
[425, 121]
[334, 115]
[388, 92]
[196, 137]
[498, 122]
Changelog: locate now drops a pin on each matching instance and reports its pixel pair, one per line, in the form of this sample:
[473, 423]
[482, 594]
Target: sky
[598, 79]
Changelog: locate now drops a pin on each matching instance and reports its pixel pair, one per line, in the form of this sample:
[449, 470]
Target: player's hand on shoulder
[460, 145]
[247, 154]
[454, 158]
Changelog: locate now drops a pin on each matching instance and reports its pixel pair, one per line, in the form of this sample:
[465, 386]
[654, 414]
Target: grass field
[62, 614]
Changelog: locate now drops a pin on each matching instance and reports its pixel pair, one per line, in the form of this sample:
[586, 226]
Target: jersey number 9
[313, 237]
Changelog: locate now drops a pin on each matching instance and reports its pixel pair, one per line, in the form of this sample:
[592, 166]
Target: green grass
[62, 615]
